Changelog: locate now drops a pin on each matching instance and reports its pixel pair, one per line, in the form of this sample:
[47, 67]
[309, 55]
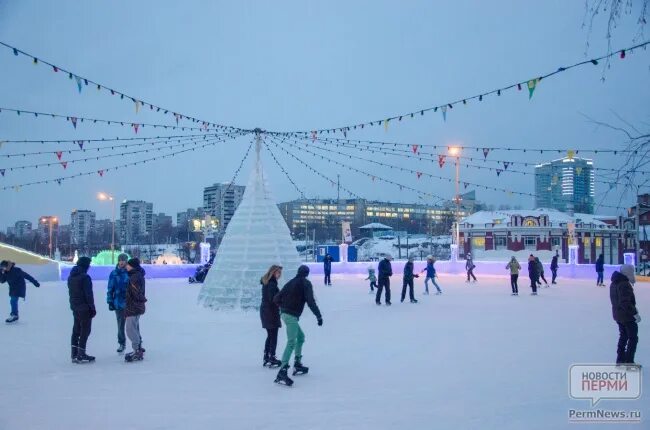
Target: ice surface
[257, 237]
[473, 358]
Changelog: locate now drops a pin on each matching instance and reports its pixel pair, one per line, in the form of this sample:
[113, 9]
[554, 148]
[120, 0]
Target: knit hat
[134, 262]
[123, 257]
[628, 271]
[4, 263]
[84, 262]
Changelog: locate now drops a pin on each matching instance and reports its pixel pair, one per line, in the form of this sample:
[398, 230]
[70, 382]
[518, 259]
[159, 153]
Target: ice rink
[472, 358]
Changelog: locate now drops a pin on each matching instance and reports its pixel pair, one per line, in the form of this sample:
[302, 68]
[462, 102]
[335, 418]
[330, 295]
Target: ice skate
[283, 378]
[299, 369]
[414, 301]
[137, 355]
[121, 348]
[82, 357]
[12, 318]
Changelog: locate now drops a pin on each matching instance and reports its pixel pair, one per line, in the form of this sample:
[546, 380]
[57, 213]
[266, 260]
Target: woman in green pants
[291, 300]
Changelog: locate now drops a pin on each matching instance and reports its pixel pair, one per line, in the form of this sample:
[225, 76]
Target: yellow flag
[386, 124]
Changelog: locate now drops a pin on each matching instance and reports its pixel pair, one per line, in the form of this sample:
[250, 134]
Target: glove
[111, 307]
[637, 318]
[37, 285]
[320, 322]
[93, 312]
[417, 276]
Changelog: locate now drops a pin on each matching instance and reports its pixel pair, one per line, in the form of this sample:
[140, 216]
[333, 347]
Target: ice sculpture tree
[256, 237]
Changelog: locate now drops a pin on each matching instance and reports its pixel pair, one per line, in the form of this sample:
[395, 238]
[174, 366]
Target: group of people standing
[535, 273]
[125, 296]
[286, 306]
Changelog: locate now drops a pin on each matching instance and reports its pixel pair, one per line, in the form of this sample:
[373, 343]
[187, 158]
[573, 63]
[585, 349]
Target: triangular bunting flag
[441, 160]
[74, 121]
[486, 151]
[531, 87]
[313, 136]
[79, 86]
[415, 148]
[135, 127]
[444, 113]
[499, 172]
[177, 117]
[418, 174]
[345, 134]
[2, 172]
[64, 164]
[386, 124]
[59, 154]
[505, 165]
[81, 144]
[570, 153]
[101, 173]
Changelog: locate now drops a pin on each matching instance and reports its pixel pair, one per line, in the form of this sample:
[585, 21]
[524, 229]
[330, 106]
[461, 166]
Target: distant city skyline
[369, 62]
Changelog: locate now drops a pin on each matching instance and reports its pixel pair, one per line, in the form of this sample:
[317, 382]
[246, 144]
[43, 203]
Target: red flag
[64, 164]
[441, 160]
[415, 148]
[101, 173]
[59, 154]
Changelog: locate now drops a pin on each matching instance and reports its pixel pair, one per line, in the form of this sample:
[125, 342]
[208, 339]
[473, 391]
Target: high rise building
[82, 225]
[183, 219]
[22, 229]
[221, 201]
[136, 221]
[566, 184]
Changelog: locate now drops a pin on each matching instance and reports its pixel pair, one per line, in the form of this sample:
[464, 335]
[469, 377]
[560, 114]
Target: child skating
[431, 275]
[372, 278]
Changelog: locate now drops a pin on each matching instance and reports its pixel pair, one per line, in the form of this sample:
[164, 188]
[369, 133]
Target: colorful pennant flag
[64, 164]
[78, 79]
[2, 172]
[444, 113]
[81, 144]
[415, 148]
[499, 172]
[531, 87]
[486, 151]
[74, 121]
[101, 173]
[418, 174]
[386, 124]
[313, 136]
[506, 164]
[59, 154]
[135, 127]
[441, 160]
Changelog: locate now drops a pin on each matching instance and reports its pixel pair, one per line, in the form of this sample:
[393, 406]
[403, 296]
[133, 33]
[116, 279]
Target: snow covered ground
[473, 358]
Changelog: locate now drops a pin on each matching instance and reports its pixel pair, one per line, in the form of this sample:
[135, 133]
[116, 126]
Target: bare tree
[615, 12]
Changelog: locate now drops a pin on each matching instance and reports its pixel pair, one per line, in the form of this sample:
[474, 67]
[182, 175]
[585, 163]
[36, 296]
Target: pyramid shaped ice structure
[257, 237]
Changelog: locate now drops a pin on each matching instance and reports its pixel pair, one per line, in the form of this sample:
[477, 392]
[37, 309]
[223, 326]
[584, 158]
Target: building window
[555, 242]
[530, 242]
[530, 223]
[500, 242]
[478, 242]
[599, 242]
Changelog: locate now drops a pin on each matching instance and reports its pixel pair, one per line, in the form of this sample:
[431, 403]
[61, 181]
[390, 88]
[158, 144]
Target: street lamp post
[50, 220]
[455, 151]
[104, 196]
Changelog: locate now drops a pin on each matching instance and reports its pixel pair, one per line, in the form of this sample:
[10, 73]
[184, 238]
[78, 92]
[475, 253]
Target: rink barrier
[489, 268]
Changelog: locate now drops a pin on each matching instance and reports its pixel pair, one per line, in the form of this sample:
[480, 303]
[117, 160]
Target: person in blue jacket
[327, 268]
[431, 275]
[15, 277]
[118, 281]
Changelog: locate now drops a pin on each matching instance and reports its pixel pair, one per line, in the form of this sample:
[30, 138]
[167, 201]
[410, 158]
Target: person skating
[431, 275]
[291, 301]
[469, 266]
[408, 280]
[385, 271]
[533, 274]
[118, 282]
[82, 304]
[514, 268]
[540, 271]
[626, 315]
[327, 268]
[135, 307]
[372, 278]
[600, 269]
[554, 267]
[270, 314]
[15, 277]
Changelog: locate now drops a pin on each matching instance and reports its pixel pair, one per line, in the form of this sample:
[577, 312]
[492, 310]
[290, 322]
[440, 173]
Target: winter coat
[80, 290]
[371, 276]
[269, 311]
[532, 269]
[600, 264]
[118, 282]
[15, 277]
[622, 297]
[295, 293]
[408, 271]
[469, 264]
[385, 269]
[514, 267]
[431, 271]
[540, 266]
[135, 298]
[327, 264]
[554, 264]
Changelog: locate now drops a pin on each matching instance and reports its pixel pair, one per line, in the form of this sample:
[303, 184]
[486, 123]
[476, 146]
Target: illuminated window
[478, 242]
[599, 242]
[530, 223]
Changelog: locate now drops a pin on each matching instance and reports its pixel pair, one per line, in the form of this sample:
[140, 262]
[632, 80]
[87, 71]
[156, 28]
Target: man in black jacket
[15, 277]
[291, 300]
[135, 307]
[82, 303]
[385, 271]
[533, 273]
[327, 269]
[554, 267]
[625, 314]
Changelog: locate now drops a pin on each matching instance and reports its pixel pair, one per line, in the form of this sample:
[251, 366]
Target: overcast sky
[295, 65]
